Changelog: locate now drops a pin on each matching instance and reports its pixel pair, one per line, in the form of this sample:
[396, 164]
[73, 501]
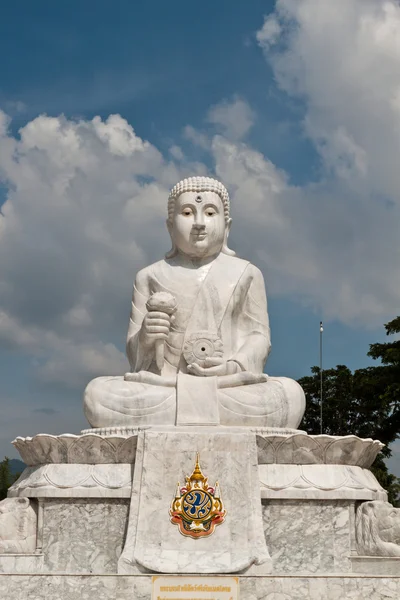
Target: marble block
[309, 536]
[379, 565]
[83, 536]
[166, 457]
[117, 587]
[21, 563]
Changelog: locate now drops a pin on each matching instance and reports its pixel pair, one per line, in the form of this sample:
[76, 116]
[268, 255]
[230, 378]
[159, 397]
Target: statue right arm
[138, 358]
[145, 327]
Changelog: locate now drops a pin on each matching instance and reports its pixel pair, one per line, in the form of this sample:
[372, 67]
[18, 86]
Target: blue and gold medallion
[197, 507]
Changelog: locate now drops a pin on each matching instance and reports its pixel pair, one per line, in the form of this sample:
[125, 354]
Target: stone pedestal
[102, 501]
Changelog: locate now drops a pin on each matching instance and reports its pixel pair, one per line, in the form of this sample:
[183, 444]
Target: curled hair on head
[200, 184]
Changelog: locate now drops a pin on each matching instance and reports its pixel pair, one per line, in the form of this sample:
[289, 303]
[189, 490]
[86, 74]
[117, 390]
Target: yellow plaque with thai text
[195, 588]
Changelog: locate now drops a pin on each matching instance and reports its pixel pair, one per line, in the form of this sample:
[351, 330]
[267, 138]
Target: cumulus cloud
[85, 210]
[341, 61]
[233, 118]
[86, 198]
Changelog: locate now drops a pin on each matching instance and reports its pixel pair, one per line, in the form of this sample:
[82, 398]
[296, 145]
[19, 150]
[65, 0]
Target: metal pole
[321, 330]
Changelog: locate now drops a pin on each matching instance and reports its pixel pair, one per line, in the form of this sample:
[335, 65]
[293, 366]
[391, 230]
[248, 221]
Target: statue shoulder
[145, 275]
[249, 270]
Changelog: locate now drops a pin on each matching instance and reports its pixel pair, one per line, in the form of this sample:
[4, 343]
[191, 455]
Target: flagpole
[321, 330]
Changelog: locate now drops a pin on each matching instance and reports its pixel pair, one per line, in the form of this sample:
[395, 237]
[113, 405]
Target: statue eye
[210, 212]
[187, 212]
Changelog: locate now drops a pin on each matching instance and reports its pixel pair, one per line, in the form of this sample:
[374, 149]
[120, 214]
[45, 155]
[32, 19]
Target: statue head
[198, 218]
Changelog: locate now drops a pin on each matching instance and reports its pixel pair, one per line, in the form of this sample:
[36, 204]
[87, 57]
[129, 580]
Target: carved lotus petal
[299, 449]
[274, 477]
[114, 478]
[266, 450]
[322, 478]
[62, 476]
[90, 448]
[126, 451]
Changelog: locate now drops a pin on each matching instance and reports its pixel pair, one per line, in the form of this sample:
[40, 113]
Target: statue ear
[225, 249]
[174, 249]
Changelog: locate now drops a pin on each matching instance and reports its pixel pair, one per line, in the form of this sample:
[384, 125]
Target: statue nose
[199, 226]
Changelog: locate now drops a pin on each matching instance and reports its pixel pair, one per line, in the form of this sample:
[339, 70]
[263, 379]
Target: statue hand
[214, 367]
[155, 326]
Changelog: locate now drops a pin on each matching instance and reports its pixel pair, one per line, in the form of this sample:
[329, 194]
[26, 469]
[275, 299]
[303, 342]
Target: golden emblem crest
[197, 507]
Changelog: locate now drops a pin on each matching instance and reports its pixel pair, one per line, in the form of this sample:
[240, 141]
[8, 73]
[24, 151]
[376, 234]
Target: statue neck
[191, 262]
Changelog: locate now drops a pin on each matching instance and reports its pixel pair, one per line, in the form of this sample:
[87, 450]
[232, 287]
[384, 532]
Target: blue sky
[293, 105]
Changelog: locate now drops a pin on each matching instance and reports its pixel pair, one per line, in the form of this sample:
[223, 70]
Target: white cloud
[71, 364]
[87, 199]
[270, 32]
[85, 209]
[341, 61]
[234, 118]
[197, 138]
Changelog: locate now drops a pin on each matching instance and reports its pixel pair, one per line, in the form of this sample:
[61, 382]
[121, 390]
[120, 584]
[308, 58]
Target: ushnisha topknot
[198, 184]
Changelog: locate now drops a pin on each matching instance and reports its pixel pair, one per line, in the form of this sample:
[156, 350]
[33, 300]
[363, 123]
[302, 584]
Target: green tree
[365, 403]
[6, 477]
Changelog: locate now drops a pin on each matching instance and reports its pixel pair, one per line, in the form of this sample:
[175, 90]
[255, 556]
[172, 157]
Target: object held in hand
[161, 302]
[200, 346]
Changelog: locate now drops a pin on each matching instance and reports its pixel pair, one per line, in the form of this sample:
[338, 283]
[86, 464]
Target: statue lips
[199, 235]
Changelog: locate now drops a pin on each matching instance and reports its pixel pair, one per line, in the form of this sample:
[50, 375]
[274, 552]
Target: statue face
[198, 226]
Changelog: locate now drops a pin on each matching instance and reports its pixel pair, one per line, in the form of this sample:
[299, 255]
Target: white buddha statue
[198, 336]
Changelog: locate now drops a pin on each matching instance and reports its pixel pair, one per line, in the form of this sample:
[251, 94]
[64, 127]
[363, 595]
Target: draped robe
[225, 298]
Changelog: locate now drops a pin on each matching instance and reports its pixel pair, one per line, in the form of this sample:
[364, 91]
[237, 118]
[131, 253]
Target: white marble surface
[275, 445]
[154, 543]
[18, 523]
[217, 327]
[378, 529]
[309, 536]
[318, 482]
[102, 587]
[196, 404]
[83, 536]
[74, 481]
[379, 565]
[21, 563]
[298, 448]
[90, 448]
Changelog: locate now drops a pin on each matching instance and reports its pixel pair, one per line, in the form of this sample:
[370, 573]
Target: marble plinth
[291, 463]
[167, 456]
[103, 501]
[275, 446]
[138, 587]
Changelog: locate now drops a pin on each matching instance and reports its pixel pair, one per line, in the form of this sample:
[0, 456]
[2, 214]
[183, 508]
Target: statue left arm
[254, 337]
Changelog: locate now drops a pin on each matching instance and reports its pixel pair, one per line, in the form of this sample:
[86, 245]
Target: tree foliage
[365, 403]
[6, 477]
